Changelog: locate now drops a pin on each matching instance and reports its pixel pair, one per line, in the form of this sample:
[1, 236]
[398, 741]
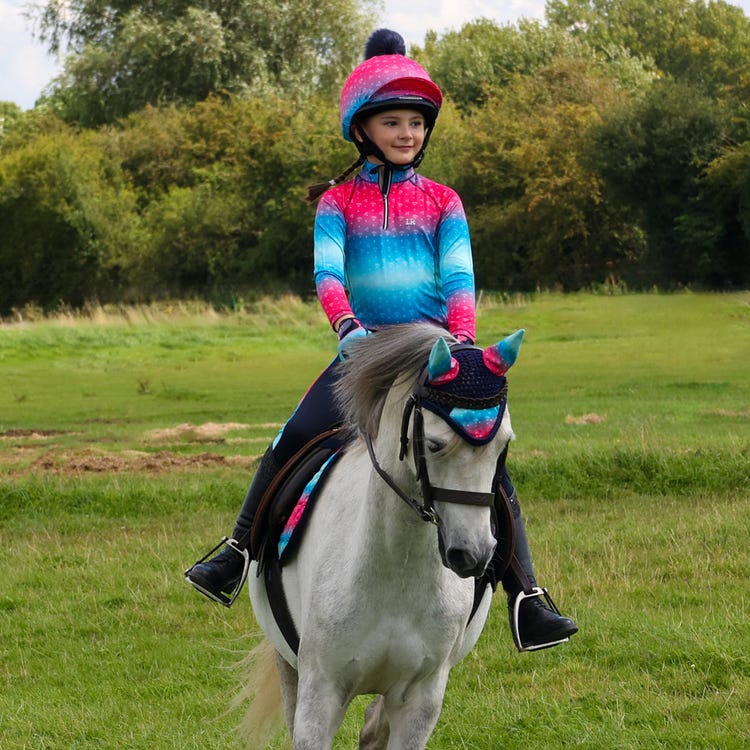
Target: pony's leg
[288, 682]
[411, 722]
[374, 734]
[320, 711]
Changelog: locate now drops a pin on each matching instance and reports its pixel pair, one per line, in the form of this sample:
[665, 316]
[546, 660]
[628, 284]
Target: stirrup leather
[226, 599]
[514, 624]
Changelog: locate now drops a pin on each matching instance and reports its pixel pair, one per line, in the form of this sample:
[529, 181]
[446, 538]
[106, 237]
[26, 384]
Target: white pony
[382, 600]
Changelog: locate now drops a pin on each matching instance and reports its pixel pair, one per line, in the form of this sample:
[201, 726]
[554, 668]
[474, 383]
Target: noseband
[413, 411]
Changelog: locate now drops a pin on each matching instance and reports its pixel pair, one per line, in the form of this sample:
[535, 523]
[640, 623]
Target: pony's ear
[441, 367]
[500, 357]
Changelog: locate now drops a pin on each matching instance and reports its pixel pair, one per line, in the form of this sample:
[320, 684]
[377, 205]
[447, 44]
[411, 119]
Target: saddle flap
[282, 495]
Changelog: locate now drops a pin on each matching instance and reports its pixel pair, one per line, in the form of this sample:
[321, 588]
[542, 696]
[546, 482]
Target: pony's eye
[434, 446]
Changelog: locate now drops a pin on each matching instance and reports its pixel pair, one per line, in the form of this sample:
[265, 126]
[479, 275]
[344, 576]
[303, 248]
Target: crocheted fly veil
[470, 397]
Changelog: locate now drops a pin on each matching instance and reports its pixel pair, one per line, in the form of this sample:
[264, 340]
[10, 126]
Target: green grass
[639, 522]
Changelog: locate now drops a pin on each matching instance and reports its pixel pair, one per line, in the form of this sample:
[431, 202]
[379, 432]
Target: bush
[68, 222]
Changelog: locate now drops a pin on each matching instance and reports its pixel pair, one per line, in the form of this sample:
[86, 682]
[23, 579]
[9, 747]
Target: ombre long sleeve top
[397, 259]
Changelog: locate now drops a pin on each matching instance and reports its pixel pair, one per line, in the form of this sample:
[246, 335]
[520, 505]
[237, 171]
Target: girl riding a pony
[391, 247]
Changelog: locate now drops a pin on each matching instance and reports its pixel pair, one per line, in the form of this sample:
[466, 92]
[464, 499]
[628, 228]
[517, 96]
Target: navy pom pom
[384, 42]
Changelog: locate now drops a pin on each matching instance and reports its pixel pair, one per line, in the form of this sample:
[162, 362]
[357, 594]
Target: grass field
[127, 439]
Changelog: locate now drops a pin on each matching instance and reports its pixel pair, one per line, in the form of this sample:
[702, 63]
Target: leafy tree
[67, 222]
[123, 54]
[221, 188]
[573, 161]
[539, 214]
[19, 127]
[9, 114]
[653, 155]
[471, 63]
[705, 43]
[728, 183]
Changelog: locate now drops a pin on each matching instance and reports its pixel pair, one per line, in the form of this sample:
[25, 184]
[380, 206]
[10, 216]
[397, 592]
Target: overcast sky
[25, 68]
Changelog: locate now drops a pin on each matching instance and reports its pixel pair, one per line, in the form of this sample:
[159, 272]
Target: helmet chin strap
[386, 168]
[366, 147]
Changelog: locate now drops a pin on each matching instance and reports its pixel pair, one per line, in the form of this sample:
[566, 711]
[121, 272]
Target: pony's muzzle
[466, 562]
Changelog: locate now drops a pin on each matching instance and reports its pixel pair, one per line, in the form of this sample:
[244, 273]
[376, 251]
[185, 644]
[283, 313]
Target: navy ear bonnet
[470, 398]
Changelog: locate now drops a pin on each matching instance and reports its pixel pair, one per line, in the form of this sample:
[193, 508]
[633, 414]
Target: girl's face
[398, 133]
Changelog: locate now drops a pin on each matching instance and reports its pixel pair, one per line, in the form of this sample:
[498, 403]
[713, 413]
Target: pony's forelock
[375, 363]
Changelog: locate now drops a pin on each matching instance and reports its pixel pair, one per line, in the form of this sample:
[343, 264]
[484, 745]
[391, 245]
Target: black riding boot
[537, 624]
[220, 578]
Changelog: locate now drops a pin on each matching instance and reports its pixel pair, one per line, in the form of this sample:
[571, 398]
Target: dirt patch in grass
[91, 461]
[210, 432]
[37, 453]
[585, 419]
[743, 414]
[30, 434]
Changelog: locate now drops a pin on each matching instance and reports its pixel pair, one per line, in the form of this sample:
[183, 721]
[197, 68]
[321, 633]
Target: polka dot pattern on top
[418, 269]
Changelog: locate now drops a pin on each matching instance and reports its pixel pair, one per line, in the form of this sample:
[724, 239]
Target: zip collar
[370, 172]
[385, 175]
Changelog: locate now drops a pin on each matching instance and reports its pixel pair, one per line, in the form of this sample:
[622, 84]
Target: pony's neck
[401, 534]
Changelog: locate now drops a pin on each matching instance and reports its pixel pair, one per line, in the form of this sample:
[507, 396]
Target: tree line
[609, 144]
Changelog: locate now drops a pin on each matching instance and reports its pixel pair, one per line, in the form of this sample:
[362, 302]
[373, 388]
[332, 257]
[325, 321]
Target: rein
[430, 494]
[423, 511]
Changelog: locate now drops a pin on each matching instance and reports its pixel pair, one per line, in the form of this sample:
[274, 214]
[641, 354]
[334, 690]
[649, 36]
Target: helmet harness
[385, 80]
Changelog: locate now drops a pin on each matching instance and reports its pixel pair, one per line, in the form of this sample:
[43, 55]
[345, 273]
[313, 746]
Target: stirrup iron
[514, 624]
[226, 599]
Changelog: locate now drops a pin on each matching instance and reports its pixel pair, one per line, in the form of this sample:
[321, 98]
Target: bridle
[413, 411]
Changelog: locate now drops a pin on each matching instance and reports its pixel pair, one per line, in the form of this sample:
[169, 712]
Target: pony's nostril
[463, 562]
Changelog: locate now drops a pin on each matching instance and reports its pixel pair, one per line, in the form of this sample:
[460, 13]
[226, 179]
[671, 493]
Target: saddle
[283, 494]
[278, 507]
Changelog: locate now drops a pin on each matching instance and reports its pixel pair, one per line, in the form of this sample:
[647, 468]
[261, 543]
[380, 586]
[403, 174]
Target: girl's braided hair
[315, 191]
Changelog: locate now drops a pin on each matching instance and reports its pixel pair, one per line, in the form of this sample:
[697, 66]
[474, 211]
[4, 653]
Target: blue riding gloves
[350, 330]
